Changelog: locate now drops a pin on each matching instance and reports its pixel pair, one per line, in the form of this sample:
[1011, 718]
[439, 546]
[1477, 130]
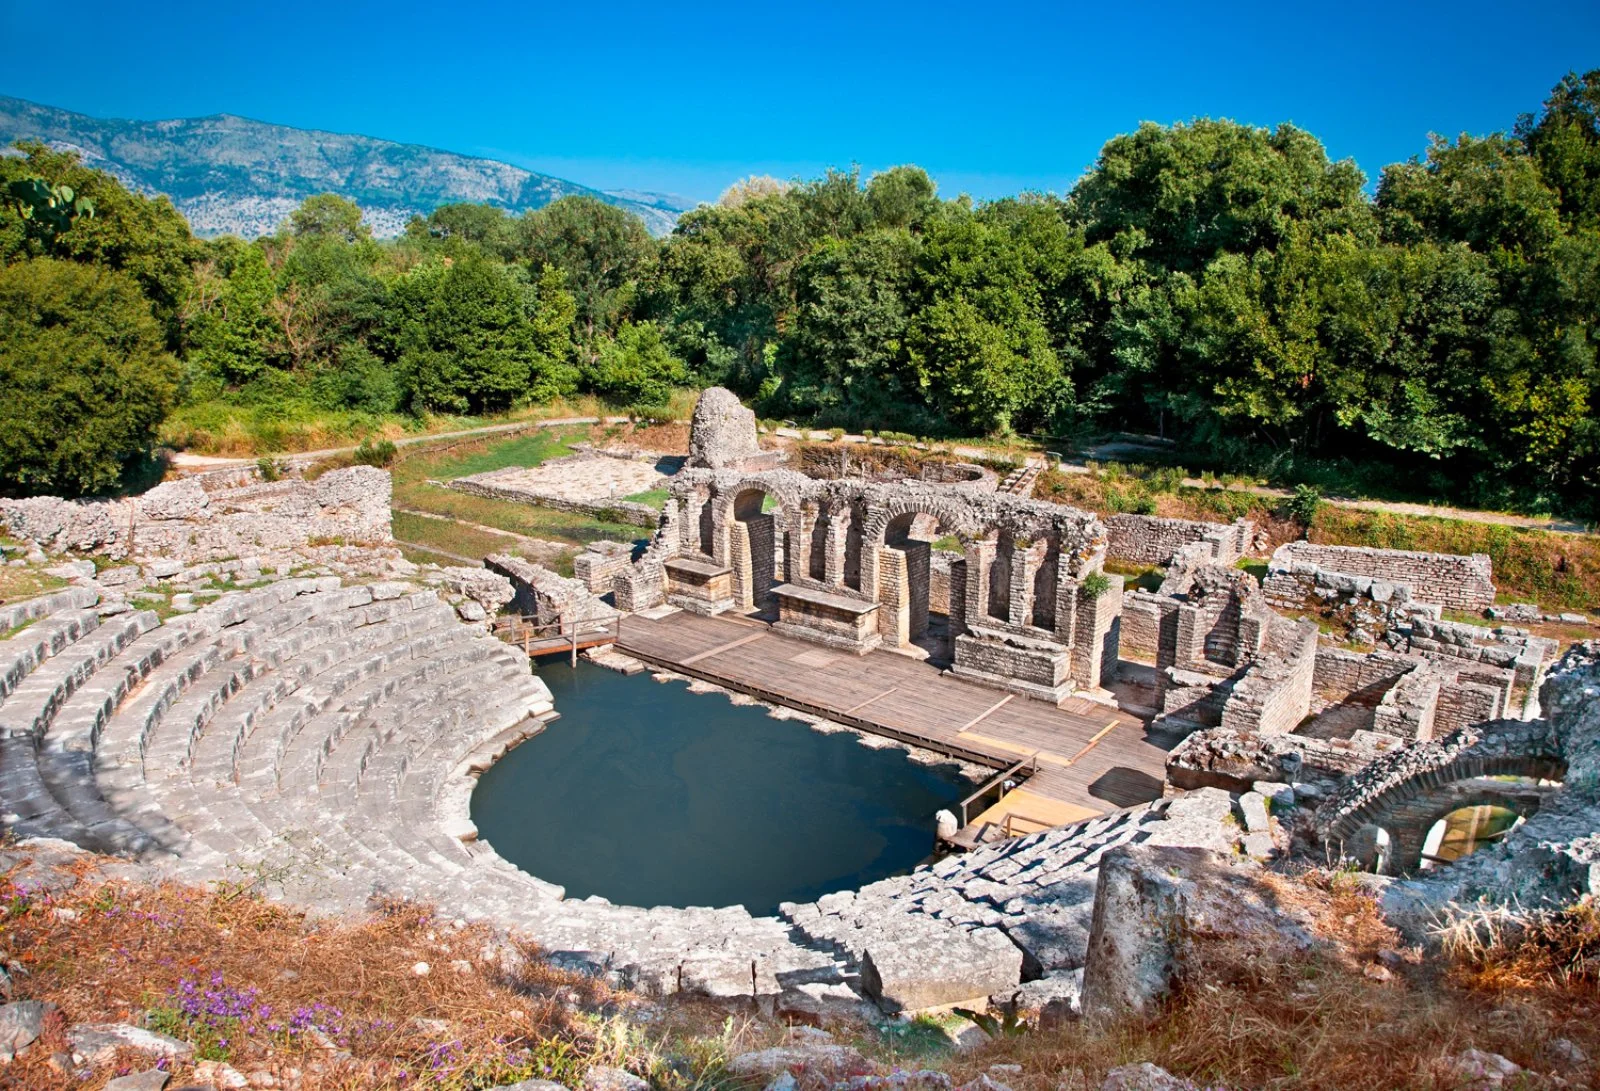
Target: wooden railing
[544, 638]
[1029, 763]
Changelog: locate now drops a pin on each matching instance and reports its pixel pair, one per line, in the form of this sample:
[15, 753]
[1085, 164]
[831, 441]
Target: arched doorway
[755, 545]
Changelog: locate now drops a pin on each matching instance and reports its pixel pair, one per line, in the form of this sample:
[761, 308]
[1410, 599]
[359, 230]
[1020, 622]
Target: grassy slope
[412, 489]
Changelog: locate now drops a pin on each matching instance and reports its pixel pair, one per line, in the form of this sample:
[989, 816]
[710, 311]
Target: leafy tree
[1180, 195]
[466, 340]
[328, 216]
[87, 376]
[230, 326]
[142, 236]
[636, 368]
[1564, 140]
[602, 250]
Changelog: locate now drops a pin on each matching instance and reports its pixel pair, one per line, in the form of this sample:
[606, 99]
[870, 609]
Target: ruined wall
[1446, 579]
[1345, 676]
[1274, 694]
[209, 517]
[1148, 540]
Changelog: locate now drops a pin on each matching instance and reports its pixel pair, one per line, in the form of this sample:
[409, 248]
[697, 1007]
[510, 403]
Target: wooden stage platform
[1091, 757]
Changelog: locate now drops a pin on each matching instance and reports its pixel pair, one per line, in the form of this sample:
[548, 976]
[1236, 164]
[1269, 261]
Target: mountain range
[235, 176]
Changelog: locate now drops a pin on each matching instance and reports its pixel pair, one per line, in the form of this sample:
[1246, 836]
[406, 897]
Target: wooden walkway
[1091, 757]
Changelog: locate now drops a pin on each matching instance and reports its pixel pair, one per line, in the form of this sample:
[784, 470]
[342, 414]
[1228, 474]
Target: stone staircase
[319, 743]
[1020, 482]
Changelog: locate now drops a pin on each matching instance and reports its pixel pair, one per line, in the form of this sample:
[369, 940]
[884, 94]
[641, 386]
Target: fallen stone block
[934, 965]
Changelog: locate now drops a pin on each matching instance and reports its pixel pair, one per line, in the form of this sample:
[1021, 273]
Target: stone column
[837, 543]
[740, 561]
[1024, 567]
[1094, 650]
[894, 598]
[980, 560]
[958, 597]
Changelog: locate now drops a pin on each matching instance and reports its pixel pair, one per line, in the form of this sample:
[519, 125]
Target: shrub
[86, 375]
[1303, 504]
[378, 454]
[1096, 584]
[268, 469]
[836, 434]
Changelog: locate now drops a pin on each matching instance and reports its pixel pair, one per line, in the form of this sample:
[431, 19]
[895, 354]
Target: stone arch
[1409, 790]
[896, 569]
[749, 540]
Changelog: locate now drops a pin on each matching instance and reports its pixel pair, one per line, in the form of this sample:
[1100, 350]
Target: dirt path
[543, 549]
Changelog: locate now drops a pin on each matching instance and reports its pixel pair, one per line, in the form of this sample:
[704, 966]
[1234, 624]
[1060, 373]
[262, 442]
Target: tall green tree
[86, 373]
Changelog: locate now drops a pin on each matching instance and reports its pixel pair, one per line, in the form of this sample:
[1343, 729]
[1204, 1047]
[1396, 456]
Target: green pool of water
[647, 794]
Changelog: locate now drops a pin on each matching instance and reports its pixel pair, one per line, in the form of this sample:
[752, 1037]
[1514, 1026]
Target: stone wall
[628, 512]
[1148, 620]
[210, 517]
[598, 565]
[1274, 694]
[1148, 540]
[1445, 579]
[548, 597]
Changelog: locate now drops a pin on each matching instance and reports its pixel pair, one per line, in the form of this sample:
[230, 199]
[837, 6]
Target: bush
[836, 434]
[378, 454]
[1303, 504]
[1096, 584]
[268, 469]
[86, 375]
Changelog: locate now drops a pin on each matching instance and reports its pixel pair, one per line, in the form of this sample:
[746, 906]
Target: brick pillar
[1024, 567]
[980, 561]
[838, 540]
[1094, 649]
[894, 598]
[760, 538]
[739, 561]
[918, 556]
[958, 597]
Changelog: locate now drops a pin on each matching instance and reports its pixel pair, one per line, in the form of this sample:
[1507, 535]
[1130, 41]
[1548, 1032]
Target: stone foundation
[1148, 540]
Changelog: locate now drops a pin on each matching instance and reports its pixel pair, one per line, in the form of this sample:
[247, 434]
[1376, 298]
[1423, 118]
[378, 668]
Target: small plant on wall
[1096, 584]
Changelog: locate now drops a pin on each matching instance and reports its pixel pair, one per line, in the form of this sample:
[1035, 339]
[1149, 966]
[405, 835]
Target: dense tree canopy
[86, 374]
[1227, 286]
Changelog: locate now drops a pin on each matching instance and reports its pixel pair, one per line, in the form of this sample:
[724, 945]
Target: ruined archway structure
[1550, 859]
[839, 562]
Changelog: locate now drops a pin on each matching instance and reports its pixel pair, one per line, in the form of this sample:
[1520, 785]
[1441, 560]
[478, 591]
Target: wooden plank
[986, 713]
[870, 700]
[720, 648]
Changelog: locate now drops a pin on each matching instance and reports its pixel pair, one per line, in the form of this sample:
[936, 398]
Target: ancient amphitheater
[251, 686]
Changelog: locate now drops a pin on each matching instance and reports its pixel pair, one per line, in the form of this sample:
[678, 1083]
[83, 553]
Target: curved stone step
[21, 654]
[29, 708]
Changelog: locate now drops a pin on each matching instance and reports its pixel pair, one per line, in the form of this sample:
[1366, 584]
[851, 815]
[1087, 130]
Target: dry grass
[269, 990]
[25, 583]
[1361, 1014]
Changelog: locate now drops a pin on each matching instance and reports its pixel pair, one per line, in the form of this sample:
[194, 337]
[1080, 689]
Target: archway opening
[921, 585]
[1464, 831]
[755, 547]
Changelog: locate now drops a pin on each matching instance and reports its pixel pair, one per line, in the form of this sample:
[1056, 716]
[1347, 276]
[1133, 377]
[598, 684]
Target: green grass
[655, 498]
[25, 583]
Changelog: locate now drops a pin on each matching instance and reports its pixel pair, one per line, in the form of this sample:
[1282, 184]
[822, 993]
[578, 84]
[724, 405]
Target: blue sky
[991, 97]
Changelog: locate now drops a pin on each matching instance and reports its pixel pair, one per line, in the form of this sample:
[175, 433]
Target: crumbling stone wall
[1274, 694]
[1445, 579]
[1148, 540]
[598, 565]
[549, 597]
[210, 517]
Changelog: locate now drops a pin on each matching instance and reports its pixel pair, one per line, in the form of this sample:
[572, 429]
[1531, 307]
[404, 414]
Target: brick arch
[1407, 791]
[955, 517]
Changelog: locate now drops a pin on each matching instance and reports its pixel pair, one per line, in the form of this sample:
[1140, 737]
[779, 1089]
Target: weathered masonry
[1446, 579]
[847, 564]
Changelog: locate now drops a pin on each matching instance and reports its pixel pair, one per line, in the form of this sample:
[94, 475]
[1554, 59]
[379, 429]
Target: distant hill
[232, 175]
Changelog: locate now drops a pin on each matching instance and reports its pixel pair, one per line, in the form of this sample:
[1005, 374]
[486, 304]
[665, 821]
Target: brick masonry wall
[1447, 579]
[1351, 676]
[626, 512]
[1275, 693]
[1146, 539]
